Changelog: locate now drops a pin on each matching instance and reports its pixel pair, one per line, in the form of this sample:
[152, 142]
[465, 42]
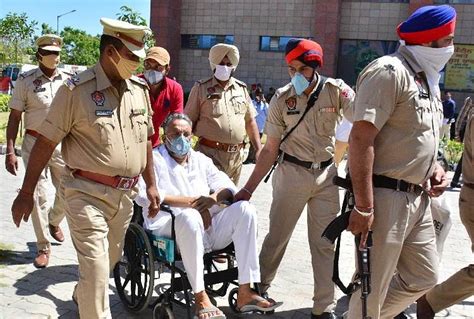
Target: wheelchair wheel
[134, 273]
[233, 299]
[162, 311]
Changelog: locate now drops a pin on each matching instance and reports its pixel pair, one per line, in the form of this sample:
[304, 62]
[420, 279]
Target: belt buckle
[125, 183]
[232, 148]
[411, 188]
[398, 185]
[315, 166]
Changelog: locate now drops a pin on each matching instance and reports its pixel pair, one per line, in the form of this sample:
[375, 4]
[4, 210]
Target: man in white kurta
[186, 179]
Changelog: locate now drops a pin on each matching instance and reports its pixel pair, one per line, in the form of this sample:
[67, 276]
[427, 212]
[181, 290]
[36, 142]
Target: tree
[16, 34]
[127, 14]
[47, 29]
[79, 47]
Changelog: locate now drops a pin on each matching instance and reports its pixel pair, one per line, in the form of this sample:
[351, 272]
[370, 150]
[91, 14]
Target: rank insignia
[37, 82]
[71, 82]
[98, 98]
[291, 103]
[389, 67]
[329, 109]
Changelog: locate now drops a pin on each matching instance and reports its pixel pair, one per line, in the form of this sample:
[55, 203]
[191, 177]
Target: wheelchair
[147, 257]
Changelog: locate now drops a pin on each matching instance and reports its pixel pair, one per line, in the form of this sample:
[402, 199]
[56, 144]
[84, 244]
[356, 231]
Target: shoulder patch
[28, 73]
[202, 81]
[79, 79]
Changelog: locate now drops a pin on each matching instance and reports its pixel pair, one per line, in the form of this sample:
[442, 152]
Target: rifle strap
[311, 101]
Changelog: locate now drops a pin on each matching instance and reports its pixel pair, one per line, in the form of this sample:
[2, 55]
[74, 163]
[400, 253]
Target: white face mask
[153, 76]
[431, 61]
[223, 72]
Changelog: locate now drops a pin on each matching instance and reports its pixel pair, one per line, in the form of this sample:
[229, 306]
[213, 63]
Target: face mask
[125, 67]
[431, 61]
[299, 83]
[50, 61]
[223, 72]
[153, 77]
[179, 146]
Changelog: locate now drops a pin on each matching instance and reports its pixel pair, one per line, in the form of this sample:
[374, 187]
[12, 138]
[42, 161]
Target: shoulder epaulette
[202, 81]
[78, 79]
[27, 73]
[138, 80]
[279, 92]
[241, 83]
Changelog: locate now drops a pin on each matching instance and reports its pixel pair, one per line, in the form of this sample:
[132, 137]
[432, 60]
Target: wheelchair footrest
[209, 279]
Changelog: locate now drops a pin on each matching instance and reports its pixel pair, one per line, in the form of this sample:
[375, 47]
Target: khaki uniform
[219, 114]
[408, 118]
[294, 186]
[33, 95]
[104, 131]
[460, 285]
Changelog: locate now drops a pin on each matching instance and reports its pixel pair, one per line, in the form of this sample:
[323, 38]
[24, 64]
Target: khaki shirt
[468, 155]
[219, 114]
[313, 139]
[33, 95]
[102, 130]
[406, 115]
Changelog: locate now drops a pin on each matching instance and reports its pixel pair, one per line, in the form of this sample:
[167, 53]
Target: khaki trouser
[229, 163]
[404, 261]
[98, 217]
[294, 187]
[460, 285]
[42, 214]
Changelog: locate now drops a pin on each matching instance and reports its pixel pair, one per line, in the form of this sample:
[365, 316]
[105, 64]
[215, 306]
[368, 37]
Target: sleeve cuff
[372, 114]
[51, 132]
[17, 105]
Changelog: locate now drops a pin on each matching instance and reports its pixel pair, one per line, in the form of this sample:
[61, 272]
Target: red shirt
[169, 100]
[4, 83]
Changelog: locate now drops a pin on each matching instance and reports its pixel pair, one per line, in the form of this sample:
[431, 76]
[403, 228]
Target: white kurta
[236, 223]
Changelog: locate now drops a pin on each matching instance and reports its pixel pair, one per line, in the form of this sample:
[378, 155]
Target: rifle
[333, 233]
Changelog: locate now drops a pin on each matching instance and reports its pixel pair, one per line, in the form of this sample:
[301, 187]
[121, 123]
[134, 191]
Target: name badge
[138, 111]
[214, 96]
[104, 112]
[327, 110]
[39, 89]
[294, 112]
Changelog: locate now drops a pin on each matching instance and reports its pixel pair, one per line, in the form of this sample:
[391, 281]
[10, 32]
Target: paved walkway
[27, 292]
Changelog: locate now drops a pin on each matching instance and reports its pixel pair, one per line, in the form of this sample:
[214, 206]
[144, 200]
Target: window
[204, 41]
[453, 1]
[354, 55]
[275, 43]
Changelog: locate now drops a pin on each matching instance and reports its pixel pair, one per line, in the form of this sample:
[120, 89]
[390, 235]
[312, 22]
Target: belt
[396, 184]
[118, 182]
[307, 165]
[229, 148]
[32, 133]
[470, 185]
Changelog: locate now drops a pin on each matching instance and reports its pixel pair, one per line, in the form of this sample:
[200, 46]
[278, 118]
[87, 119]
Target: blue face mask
[179, 146]
[299, 83]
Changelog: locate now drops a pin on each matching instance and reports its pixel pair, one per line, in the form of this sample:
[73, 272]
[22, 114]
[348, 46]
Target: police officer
[392, 152]
[102, 116]
[304, 175]
[32, 96]
[459, 286]
[222, 113]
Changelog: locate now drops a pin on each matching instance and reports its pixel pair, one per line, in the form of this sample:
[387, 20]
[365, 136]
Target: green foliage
[4, 99]
[453, 151]
[127, 14]
[16, 32]
[79, 47]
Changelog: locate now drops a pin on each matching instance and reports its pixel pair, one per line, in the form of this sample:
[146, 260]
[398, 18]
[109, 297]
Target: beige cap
[132, 36]
[158, 54]
[50, 42]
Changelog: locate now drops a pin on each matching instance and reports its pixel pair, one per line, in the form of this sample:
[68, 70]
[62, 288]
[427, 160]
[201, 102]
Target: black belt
[396, 184]
[307, 165]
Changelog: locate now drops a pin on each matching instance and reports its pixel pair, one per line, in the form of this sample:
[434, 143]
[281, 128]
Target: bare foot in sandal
[248, 300]
[205, 309]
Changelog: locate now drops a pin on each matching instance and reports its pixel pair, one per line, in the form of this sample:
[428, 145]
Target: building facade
[351, 32]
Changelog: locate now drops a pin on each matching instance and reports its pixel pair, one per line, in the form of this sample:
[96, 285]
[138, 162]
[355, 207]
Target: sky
[86, 17]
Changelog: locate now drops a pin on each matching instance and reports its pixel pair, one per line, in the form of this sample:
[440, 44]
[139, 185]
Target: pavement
[27, 292]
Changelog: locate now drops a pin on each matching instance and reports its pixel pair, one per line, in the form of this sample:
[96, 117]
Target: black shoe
[324, 315]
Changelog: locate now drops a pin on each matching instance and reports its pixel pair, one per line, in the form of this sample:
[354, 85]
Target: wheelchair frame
[138, 262]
